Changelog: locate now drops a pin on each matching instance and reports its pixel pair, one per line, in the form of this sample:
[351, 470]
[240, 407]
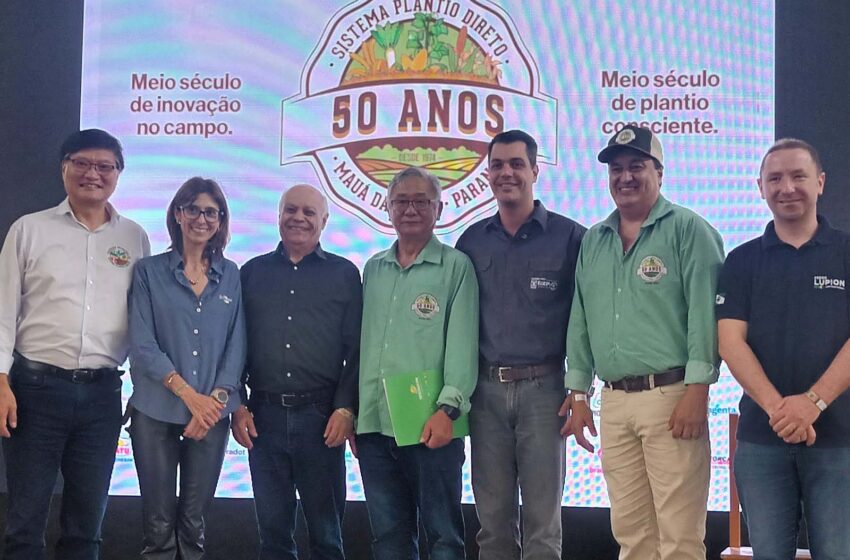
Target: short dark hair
[792, 144]
[92, 138]
[511, 136]
[186, 194]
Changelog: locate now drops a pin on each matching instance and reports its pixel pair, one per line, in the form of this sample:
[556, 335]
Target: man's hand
[242, 427]
[793, 414]
[195, 430]
[340, 427]
[579, 416]
[8, 407]
[690, 417]
[437, 431]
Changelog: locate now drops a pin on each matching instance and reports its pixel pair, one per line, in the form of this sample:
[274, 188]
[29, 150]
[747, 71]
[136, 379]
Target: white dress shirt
[63, 288]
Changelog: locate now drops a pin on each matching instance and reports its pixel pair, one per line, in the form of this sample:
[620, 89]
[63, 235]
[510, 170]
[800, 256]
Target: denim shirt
[172, 329]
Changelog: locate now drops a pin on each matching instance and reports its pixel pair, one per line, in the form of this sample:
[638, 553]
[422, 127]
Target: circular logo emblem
[425, 306]
[118, 256]
[652, 269]
[625, 136]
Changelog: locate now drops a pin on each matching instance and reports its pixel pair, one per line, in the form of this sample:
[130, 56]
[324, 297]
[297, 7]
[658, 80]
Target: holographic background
[267, 44]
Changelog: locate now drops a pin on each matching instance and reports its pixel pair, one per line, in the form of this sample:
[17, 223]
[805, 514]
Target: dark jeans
[61, 426]
[172, 526]
[290, 453]
[404, 483]
[778, 484]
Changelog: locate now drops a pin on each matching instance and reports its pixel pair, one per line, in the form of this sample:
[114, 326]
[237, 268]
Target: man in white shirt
[64, 277]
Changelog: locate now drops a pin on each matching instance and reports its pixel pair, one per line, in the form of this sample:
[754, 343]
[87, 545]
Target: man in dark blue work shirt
[302, 310]
[525, 258]
[783, 314]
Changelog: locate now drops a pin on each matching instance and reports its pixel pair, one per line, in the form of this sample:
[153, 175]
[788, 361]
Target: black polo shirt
[303, 324]
[797, 307]
[526, 284]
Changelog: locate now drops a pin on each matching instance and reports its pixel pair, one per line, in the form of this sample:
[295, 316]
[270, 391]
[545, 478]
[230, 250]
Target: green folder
[412, 400]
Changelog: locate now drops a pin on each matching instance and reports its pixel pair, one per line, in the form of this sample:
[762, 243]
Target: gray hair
[418, 173]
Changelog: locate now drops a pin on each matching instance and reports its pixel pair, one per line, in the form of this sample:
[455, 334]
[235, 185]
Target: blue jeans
[61, 426]
[173, 526]
[514, 430]
[403, 483]
[780, 483]
[290, 453]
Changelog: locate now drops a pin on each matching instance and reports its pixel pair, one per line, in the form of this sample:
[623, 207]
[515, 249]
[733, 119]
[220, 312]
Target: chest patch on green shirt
[425, 306]
[651, 269]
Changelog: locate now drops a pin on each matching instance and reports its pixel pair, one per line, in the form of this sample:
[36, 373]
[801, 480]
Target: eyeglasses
[82, 166]
[402, 204]
[210, 214]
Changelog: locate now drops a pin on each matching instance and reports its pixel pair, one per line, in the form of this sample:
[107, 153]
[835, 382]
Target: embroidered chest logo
[543, 284]
[652, 269]
[224, 298]
[826, 283]
[425, 306]
[118, 256]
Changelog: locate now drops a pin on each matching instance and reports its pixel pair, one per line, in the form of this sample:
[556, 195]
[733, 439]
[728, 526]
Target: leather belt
[293, 399]
[637, 383]
[509, 374]
[81, 375]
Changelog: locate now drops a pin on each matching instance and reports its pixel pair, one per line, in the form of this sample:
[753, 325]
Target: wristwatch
[819, 402]
[452, 412]
[220, 395]
[582, 397]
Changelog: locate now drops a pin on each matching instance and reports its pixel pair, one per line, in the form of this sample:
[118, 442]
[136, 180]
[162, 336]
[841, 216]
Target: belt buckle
[81, 376]
[633, 384]
[283, 401]
[503, 369]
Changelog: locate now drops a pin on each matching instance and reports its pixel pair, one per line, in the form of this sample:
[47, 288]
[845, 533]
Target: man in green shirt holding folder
[643, 321]
[420, 313]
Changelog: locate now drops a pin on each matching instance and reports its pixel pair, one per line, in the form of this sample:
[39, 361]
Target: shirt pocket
[425, 306]
[544, 282]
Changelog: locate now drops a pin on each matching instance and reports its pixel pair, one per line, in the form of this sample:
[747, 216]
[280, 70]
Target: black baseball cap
[637, 138]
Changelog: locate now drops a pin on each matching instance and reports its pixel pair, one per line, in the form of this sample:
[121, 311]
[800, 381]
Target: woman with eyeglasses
[187, 350]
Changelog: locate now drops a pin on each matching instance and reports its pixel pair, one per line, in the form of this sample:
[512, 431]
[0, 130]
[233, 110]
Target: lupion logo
[426, 83]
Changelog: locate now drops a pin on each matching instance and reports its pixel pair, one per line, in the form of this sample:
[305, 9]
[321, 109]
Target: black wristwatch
[452, 412]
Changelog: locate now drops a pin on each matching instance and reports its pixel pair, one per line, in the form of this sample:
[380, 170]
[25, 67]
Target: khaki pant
[657, 485]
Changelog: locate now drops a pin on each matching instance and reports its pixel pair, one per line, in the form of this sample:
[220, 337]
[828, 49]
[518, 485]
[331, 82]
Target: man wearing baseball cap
[643, 322]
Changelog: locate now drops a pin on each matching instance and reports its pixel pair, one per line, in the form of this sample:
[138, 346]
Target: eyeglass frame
[187, 211]
[76, 165]
[424, 202]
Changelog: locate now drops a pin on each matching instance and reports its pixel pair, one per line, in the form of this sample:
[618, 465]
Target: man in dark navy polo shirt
[302, 311]
[524, 258]
[784, 322]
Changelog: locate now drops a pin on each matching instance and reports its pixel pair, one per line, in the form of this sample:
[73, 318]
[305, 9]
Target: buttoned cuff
[700, 373]
[6, 363]
[453, 397]
[578, 380]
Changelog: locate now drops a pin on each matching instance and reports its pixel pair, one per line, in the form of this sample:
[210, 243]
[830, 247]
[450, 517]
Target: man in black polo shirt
[525, 258]
[784, 324]
[302, 309]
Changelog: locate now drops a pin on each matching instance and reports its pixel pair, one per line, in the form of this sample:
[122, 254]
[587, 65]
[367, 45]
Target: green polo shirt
[648, 310]
[417, 318]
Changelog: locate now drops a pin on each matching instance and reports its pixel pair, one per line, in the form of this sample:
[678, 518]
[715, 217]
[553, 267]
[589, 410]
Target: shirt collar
[824, 235]
[539, 214]
[432, 252]
[318, 251]
[175, 262]
[64, 208]
[661, 208]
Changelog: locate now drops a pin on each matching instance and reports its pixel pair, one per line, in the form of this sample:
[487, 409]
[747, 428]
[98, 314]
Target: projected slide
[342, 95]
